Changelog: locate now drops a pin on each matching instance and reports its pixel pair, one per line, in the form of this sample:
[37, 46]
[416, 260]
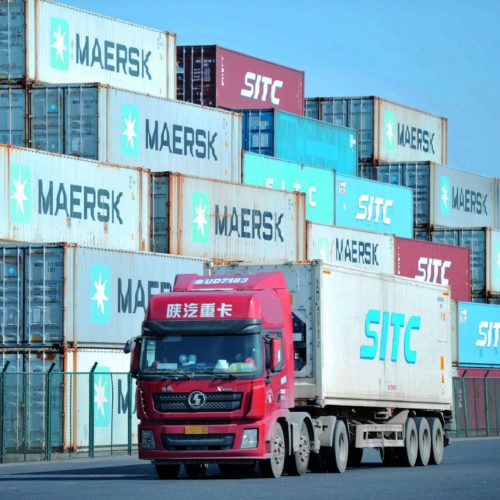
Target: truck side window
[279, 336]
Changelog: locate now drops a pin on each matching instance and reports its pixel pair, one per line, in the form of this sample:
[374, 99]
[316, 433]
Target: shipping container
[127, 128]
[482, 373]
[48, 198]
[316, 183]
[213, 76]
[444, 196]
[226, 221]
[337, 341]
[493, 262]
[12, 113]
[45, 42]
[64, 294]
[27, 399]
[340, 245]
[296, 138]
[387, 131]
[373, 206]
[435, 263]
[478, 334]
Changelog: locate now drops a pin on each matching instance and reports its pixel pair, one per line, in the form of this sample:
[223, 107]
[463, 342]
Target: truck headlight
[147, 440]
[250, 439]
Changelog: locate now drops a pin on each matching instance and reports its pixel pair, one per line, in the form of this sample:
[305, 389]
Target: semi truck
[293, 366]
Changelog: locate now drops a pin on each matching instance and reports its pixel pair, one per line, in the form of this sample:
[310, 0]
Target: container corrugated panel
[373, 206]
[80, 295]
[12, 115]
[127, 128]
[227, 221]
[479, 299]
[422, 234]
[493, 266]
[478, 330]
[214, 76]
[358, 368]
[475, 241]
[12, 40]
[363, 249]
[300, 139]
[66, 45]
[388, 132]
[50, 198]
[316, 183]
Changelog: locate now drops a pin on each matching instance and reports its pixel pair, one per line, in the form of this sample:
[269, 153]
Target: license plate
[196, 429]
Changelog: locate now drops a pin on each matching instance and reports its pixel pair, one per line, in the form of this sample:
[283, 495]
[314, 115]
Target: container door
[12, 115]
[258, 131]
[12, 40]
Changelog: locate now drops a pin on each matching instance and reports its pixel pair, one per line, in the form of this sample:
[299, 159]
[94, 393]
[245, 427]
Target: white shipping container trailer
[371, 347]
[46, 42]
[48, 198]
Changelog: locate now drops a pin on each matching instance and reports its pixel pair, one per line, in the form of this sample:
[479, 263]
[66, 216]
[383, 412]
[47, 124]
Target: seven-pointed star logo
[59, 44]
[498, 261]
[100, 294]
[20, 195]
[100, 396]
[200, 219]
[444, 196]
[389, 133]
[129, 131]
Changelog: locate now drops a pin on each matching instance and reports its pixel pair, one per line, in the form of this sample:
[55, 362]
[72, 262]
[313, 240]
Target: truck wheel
[409, 453]
[437, 441]
[336, 455]
[424, 440]
[196, 471]
[355, 456]
[167, 471]
[236, 470]
[273, 467]
[297, 463]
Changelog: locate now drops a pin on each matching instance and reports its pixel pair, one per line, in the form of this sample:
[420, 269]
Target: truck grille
[192, 442]
[215, 401]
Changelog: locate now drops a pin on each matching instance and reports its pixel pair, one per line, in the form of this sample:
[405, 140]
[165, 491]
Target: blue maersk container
[373, 206]
[12, 115]
[303, 140]
[478, 328]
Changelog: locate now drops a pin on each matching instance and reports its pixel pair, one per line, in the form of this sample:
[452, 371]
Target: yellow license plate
[196, 429]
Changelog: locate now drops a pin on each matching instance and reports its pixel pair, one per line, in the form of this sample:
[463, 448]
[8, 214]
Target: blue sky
[440, 56]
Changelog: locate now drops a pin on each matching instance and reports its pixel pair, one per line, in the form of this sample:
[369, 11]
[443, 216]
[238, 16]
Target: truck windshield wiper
[217, 372]
[173, 374]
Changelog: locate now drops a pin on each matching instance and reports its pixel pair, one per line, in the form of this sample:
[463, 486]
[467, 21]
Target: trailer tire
[355, 456]
[409, 454]
[437, 441]
[336, 456]
[167, 471]
[424, 440]
[298, 462]
[196, 471]
[273, 467]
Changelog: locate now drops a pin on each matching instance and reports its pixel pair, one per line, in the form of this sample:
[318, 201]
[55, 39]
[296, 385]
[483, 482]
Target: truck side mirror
[133, 346]
[275, 351]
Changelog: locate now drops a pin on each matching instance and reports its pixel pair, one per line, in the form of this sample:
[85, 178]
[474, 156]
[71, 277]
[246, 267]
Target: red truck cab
[215, 375]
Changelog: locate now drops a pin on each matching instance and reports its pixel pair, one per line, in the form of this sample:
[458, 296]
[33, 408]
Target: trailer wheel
[336, 456]
[424, 440]
[273, 467]
[196, 471]
[409, 453]
[355, 456]
[167, 471]
[437, 441]
[297, 462]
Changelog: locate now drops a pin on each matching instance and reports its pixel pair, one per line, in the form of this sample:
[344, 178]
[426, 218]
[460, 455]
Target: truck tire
[424, 440]
[336, 456]
[355, 456]
[236, 470]
[273, 467]
[196, 471]
[167, 471]
[297, 462]
[437, 441]
[408, 455]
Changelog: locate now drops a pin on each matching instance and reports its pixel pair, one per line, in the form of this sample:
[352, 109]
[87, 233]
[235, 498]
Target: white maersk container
[53, 43]
[49, 198]
[340, 245]
[226, 221]
[366, 339]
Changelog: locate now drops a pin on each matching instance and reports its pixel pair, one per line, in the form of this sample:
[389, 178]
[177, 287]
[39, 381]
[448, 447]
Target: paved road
[470, 469]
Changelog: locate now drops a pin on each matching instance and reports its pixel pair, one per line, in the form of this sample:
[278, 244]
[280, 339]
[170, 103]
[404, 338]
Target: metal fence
[93, 413]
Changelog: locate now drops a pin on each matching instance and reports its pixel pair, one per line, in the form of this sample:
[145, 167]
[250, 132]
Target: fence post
[2, 412]
[130, 410]
[48, 414]
[486, 402]
[466, 412]
[91, 411]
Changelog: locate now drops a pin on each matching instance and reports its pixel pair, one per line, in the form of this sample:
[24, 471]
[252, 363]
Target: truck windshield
[197, 355]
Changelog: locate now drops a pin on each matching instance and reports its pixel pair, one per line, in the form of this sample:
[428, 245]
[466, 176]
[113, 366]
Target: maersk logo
[59, 43]
[20, 193]
[100, 286]
[390, 125]
[102, 397]
[200, 212]
[323, 247]
[445, 195]
[130, 130]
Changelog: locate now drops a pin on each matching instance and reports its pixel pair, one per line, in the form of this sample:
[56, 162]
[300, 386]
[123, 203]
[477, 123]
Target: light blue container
[316, 183]
[373, 206]
[478, 335]
[300, 139]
